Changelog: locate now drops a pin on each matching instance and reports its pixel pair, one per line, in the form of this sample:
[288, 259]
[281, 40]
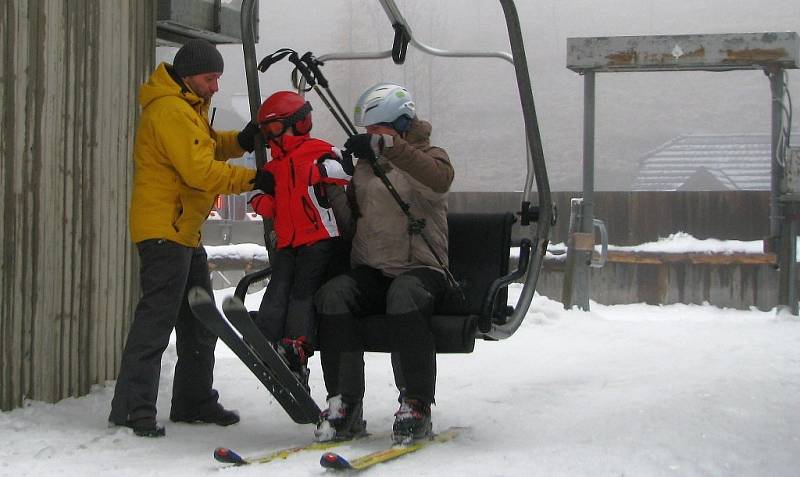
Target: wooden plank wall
[634, 217]
[740, 281]
[70, 76]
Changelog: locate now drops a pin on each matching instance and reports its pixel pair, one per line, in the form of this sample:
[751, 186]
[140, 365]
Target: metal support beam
[783, 223]
[772, 52]
[248, 20]
[581, 288]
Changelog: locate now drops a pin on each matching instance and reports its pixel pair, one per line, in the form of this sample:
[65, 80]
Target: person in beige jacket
[394, 272]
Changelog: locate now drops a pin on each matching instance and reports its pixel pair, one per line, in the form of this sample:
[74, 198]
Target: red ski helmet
[283, 110]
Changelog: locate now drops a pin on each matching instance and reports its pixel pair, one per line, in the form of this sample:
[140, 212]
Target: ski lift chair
[479, 253]
[479, 243]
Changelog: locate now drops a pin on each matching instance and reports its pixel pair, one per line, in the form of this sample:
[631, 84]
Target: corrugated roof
[734, 161]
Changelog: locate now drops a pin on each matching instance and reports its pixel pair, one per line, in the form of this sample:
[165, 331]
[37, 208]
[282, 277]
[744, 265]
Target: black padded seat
[479, 249]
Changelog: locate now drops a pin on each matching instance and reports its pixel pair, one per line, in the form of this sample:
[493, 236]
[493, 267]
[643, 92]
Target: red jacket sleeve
[263, 205]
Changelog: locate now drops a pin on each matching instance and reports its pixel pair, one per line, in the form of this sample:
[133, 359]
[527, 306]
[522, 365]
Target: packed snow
[619, 390]
[679, 242]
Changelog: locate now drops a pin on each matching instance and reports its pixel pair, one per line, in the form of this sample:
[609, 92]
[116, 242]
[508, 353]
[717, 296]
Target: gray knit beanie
[197, 56]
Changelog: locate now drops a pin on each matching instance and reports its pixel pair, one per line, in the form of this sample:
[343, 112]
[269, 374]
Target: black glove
[265, 181]
[361, 146]
[347, 162]
[247, 137]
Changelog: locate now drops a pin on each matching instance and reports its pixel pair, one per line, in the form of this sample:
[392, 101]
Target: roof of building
[708, 162]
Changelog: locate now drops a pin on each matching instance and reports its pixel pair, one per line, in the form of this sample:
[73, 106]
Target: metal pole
[582, 285]
[251, 72]
[254, 96]
[777, 169]
[782, 226]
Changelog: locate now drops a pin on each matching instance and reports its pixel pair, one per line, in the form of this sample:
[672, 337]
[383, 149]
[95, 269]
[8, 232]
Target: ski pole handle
[313, 64]
[302, 69]
[270, 60]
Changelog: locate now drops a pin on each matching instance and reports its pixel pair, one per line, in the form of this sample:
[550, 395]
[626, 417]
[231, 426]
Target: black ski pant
[408, 300]
[167, 271]
[287, 309]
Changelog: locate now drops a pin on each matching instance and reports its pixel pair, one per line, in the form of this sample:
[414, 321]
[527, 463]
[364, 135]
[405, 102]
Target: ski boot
[411, 422]
[295, 353]
[340, 421]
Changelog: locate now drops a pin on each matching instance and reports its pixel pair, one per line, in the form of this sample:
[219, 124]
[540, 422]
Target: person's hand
[247, 137]
[345, 158]
[265, 181]
[361, 146]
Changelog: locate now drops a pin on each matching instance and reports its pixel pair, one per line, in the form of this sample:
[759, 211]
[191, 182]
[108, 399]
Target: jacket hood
[164, 83]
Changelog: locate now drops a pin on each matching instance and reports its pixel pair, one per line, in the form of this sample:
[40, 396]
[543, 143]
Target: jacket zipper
[308, 209]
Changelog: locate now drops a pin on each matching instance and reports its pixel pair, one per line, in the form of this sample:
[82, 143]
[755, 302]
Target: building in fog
[704, 162]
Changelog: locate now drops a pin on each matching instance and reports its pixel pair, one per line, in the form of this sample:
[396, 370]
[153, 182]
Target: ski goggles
[300, 120]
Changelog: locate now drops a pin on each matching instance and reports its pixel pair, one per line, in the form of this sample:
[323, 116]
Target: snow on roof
[708, 162]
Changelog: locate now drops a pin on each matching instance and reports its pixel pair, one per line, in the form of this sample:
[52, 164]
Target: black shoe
[220, 416]
[146, 427]
[412, 421]
[340, 421]
[154, 431]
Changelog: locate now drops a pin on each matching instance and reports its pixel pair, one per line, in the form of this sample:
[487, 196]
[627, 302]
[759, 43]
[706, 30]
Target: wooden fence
[638, 217]
[735, 280]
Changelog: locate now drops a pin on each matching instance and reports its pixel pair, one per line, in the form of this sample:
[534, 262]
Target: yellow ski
[228, 456]
[332, 460]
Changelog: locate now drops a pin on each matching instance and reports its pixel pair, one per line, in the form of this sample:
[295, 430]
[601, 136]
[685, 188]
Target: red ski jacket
[300, 210]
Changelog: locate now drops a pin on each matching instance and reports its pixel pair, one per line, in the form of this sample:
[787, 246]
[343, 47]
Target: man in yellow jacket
[180, 168]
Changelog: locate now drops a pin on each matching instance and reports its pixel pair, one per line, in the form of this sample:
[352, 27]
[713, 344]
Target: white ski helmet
[384, 103]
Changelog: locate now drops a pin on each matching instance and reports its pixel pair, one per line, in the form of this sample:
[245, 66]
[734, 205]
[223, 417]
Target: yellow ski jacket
[180, 163]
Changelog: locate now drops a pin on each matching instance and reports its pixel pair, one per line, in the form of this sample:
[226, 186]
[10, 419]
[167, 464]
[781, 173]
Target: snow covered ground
[621, 390]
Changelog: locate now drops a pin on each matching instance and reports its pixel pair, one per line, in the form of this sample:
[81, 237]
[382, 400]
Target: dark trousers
[167, 271]
[408, 300]
[287, 309]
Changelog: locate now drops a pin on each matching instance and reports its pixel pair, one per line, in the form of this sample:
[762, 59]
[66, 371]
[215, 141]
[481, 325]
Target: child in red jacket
[293, 196]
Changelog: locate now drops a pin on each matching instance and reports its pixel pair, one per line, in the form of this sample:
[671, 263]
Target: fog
[473, 103]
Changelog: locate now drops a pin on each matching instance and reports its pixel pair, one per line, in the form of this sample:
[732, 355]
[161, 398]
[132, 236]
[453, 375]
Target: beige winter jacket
[422, 175]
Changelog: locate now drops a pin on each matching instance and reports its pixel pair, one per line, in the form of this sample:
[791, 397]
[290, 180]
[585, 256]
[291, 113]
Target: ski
[228, 456]
[240, 318]
[334, 461]
[206, 311]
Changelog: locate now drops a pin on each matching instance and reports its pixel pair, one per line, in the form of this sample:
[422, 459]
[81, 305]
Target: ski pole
[313, 64]
[309, 71]
[311, 80]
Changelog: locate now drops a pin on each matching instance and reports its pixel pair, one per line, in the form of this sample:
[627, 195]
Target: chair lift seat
[479, 250]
